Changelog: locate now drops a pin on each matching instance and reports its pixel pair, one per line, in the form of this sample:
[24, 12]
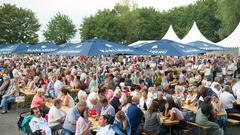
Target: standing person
[135, 116]
[38, 124]
[69, 125]
[83, 125]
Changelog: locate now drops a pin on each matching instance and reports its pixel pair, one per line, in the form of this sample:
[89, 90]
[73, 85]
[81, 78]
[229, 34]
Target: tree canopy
[60, 29]
[17, 25]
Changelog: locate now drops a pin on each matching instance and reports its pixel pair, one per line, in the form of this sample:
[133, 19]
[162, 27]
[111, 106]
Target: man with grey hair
[56, 115]
[69, 125]
[135, 115]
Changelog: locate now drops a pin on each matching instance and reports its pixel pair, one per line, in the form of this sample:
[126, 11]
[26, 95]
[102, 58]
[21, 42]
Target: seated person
[38, 124]
[105, 127]
[56, 115]
[145, 101]
[228, 100]
[106, 107]
[190, 96]
[10, 95]
[121, 124]
[153, 121]
[83, 125]
[69, 125]
[38, 101]
[204, 116]
[66, 98]
[4, 86]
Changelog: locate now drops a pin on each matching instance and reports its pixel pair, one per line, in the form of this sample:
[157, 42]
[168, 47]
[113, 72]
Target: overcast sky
[78, 9]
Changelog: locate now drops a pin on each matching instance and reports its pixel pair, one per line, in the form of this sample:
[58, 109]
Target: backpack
[23, 123]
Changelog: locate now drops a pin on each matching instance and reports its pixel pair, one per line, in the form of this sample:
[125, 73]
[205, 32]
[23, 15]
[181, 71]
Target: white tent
[233, 40]
[171, 35]
[195, 35]
[140, 43]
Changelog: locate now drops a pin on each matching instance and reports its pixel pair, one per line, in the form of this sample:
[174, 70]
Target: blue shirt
[73, 114]
[135, 115]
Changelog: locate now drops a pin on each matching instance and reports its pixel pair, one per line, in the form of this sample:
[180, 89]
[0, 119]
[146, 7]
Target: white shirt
[107, 130]
[227, 100]
[57, 86]
[235, 88]
[81, 125]
[109, 109]
[39, 124]
[217, 92]
[148, 102]
[54, 115]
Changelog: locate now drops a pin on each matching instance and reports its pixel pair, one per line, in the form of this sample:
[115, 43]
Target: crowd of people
[127, 95]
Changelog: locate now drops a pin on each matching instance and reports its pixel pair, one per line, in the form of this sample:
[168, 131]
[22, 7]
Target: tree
[60, 29]
[228, 12]
[18, 25]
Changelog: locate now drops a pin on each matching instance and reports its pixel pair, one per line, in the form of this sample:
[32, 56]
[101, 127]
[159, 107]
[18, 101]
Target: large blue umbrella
[66, 45]
[170, 48]
[206, 46]
[96, 47]
[43, 47]
[10, 49]
[4, 45]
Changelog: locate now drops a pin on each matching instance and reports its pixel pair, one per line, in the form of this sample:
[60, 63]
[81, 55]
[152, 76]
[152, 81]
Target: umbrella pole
[46, 64]
[97, 78]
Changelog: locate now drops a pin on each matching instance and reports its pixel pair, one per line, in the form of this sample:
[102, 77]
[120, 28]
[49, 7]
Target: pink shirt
[37, 101]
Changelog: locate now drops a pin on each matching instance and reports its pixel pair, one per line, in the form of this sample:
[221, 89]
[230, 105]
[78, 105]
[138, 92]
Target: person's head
[103, 101]
[217, 86]
[201, 89]
[165, 86]
[84, 113]
[40, 92]
[145, 93]
[160, 95]
[214, 98]
[104, 120]
[64, 91]
[227, 88]
[141, 83]
[170, 102]
[93, 99]
[57, 103]
[118, 93]
[81, 105]
[82, 96]
[36, 112]
[120, 116]
[154, 107]
[135, 100]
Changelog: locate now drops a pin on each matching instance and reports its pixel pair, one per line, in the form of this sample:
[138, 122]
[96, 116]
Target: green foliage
[228, 12]
[18, 25]
[60, 29]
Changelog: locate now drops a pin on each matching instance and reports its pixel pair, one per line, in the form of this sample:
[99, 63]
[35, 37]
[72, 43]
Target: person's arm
[65, 101]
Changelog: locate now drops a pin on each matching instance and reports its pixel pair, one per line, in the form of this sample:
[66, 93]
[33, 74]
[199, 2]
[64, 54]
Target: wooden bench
[200, 127]
[233, 122]
[234, 114]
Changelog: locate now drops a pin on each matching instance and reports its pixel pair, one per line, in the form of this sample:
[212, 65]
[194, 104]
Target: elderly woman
[66, 98]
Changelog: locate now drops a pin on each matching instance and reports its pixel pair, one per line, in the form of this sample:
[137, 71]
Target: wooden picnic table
[167, 122]
[194, 109]
[27, 92]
